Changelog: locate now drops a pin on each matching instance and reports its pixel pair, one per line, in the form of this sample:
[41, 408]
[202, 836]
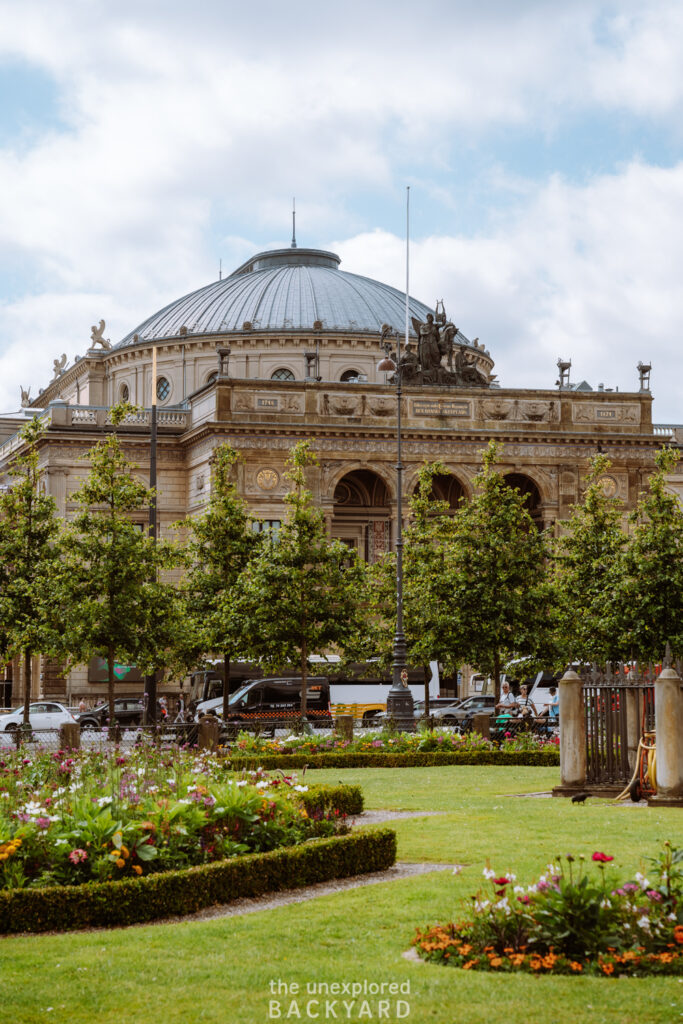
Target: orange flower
[120, 863]
[464, 950]
[607, 968]
[535, 963]
[495, 961]
[575, 966]
[137, 869]
[470, 963]
[678, 933]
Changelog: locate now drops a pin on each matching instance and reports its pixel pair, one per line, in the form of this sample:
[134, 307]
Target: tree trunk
[27, 686]
[304, 679]
[110, 691]
[226, 685]
[496, 676]
[427, 678]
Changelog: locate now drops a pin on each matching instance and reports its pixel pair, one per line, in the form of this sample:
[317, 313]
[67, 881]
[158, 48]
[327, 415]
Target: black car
[128, 711]
[271, 703]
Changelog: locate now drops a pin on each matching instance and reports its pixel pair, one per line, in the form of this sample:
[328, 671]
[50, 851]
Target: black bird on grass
[580, 798]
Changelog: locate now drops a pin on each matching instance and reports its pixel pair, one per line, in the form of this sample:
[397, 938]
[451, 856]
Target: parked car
[42, 715]
[458, 711]
[418, 709]
[272, 702]
[128, 711]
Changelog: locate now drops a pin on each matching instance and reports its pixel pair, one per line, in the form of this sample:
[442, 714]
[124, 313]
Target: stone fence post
[207, 738]
[572, 734]
[669, 739]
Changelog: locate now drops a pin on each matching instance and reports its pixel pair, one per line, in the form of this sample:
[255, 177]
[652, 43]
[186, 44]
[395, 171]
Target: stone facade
[547, 436]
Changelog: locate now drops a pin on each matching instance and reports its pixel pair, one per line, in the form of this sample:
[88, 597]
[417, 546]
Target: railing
[617, 715]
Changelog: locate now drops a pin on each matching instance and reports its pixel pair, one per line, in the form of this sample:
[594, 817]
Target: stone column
[572, 734]
[669, 733]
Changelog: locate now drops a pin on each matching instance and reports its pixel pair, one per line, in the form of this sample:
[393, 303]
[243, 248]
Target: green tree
[499, 592]
[427, 563]
[115, 605]
[587, 572]
[302, 594]
[28, 559]
[648, 604]
[222, 541]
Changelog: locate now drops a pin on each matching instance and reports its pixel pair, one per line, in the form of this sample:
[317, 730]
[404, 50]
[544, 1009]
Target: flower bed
[388, 742]
[133, 900]
[91, 817]
[571, 921]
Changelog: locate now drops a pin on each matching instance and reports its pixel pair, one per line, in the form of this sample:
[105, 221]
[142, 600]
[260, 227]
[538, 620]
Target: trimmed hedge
[320, 799]
[171, 893]
[413, 759]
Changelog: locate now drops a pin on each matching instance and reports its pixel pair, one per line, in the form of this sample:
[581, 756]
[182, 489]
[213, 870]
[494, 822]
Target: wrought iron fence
[619, 710]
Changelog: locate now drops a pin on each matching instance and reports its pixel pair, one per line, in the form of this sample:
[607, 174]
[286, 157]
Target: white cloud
[588, 273]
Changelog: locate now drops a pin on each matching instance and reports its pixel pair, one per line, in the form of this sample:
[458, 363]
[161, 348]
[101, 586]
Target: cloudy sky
[140, 143]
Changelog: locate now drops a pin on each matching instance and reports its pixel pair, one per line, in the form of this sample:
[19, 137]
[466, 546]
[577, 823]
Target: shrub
[546, 757]
[570, 922]
[105, 904]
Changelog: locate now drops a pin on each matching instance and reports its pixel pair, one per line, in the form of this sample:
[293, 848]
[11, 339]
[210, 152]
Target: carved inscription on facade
[442, 408]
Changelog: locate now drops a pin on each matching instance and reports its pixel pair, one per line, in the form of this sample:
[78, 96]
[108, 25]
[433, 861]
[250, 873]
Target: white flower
[457, 869]
[481, 906]
[301, 789]
[103, 801]
[642, 880]
[519, 889]
[644, 923]
[242, 782]
[605, 904]
[262, 784]
[488, 873]
[33, 808]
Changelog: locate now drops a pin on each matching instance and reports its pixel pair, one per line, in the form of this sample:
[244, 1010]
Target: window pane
[282, 374]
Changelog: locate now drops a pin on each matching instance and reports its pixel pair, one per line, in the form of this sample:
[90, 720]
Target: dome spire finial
[293, 245]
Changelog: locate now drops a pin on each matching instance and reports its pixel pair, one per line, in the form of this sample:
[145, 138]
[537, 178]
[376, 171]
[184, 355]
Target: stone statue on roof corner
[438, 337]
[97, 336]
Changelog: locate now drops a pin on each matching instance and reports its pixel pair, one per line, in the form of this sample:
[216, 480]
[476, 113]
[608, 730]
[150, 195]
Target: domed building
[286, 348]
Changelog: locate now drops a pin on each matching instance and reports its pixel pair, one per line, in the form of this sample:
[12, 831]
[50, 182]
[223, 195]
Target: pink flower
[501, 881]
[76, 856]
[43, 822]
[601, 858]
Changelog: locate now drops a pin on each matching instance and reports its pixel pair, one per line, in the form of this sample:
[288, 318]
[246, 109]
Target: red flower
[504, 881]
[602, 858]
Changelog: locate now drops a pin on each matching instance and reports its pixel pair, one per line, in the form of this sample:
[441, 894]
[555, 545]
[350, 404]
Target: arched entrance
[446, 487]
[528, 489]
[361, 514]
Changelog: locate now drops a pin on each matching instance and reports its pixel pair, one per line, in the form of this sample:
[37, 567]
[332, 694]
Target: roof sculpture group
[436, 340]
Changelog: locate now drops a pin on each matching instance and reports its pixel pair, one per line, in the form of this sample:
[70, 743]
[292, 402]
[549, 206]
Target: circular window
[350, 375]
[124, 393]
[163, 389]
[282, 374]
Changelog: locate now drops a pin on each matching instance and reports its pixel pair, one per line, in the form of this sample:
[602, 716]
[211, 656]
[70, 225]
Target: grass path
[220, 971]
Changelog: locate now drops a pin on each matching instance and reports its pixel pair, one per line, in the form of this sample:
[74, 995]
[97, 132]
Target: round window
[163, 389]
[124, 393]
[282, 374]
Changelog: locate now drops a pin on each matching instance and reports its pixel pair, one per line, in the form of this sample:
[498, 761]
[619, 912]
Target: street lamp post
[399, 699]
[150, 701]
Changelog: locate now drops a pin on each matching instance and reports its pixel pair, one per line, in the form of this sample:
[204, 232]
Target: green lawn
[220, 971]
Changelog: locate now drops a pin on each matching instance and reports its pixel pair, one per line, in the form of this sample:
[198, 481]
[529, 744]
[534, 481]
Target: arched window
[212, 378]
[282, 374]
[350, 375]
[163, 389]
[124, 393]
